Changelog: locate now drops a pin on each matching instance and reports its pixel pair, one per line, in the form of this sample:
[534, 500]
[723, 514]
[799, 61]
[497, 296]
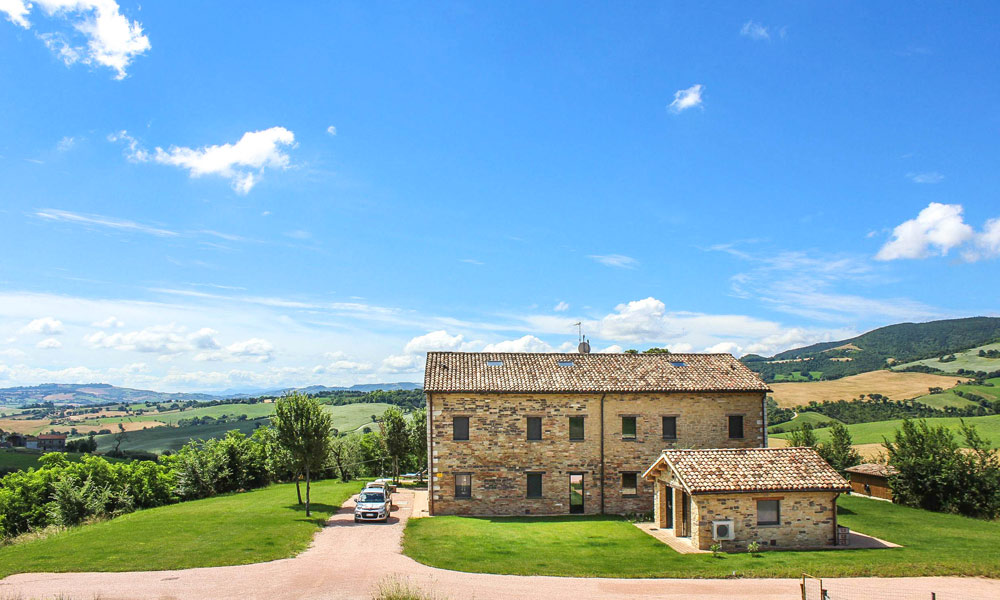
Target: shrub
[393, 588]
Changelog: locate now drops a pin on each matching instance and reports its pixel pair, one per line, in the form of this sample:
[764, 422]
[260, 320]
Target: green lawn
[967, 359]
[235, 529]
[934, 544]
[813, 418]
[872, 433]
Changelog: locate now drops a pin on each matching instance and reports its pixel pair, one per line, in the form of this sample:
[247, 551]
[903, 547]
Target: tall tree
[304, 431]
[344, 452]
[839, 451]
[802, 437]
[395, 436]
[418, 438]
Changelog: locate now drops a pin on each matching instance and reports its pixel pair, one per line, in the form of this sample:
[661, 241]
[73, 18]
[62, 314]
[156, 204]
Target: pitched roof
[52, 436]
[873, 469]
[535, 372]
[750, 470]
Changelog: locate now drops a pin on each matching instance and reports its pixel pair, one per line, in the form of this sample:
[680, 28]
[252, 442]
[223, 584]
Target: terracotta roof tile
[533, 372]
[752, 470]
[873, 469]
[52, 436]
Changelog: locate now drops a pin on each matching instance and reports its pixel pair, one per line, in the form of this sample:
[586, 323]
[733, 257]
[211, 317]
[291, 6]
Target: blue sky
[241, 195]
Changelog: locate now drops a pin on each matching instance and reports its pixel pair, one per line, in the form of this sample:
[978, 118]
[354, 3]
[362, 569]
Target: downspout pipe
[602, 452]
[430, 454]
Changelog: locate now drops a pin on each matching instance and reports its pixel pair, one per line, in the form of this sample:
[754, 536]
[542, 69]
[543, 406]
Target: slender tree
[804, 436]
[304, 431]
[395, 436]
[839, 451]
[418, 438]
[344, 452]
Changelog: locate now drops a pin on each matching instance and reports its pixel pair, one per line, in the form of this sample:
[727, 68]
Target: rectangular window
[534, 485]
[735, 427]
[534, 428]
[463, 485]
[768, 512]
[628, 428]
[460, 428]
[576, 429]
[630, 482]
[670, 428]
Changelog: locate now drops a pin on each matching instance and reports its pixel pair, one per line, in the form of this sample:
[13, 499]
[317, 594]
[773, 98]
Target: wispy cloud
[102, 221]
[927, 177]
[561, 307]
[615, 260]
[66, 144]
[111, 39]
[331, 130]
[471, 261]
[755, 30]
[685, 99]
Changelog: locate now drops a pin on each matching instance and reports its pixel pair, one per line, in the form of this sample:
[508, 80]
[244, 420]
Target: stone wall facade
[499, 457]
[808, 520]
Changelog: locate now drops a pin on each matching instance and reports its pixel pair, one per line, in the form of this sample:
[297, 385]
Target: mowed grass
[235, 529]
[897, 386]
[967, 359]
[813, 418]
[873, 433]
[934, 544]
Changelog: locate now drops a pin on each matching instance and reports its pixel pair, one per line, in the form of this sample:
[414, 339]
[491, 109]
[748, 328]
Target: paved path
[347, 560]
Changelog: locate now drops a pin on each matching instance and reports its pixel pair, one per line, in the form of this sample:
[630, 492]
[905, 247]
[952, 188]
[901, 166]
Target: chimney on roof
[583, 347]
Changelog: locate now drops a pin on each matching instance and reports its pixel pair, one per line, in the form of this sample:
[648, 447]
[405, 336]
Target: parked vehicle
[374, 504]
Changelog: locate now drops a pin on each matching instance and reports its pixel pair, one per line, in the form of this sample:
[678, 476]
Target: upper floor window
[628, 428]
[534, 428]
[576, 429]
[460, 428]
[670, 428]
[735, 427]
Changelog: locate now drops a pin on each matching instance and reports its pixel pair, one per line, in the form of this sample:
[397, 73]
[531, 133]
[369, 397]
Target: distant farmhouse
[522, 433]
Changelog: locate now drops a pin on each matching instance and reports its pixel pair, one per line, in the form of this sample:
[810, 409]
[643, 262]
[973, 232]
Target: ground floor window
[463, 485]
[534, 485]
[630, 482]
[768, 512]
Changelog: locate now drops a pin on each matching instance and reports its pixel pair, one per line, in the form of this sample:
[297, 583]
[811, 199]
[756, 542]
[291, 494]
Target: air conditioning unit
[723, 530]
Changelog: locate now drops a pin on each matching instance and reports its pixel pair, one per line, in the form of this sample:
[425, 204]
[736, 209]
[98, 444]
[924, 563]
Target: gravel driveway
[347, 560]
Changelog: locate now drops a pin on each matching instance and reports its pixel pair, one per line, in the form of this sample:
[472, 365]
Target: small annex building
[872, 479]
[779, 497]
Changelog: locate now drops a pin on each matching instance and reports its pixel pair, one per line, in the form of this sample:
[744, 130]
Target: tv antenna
[579, 330]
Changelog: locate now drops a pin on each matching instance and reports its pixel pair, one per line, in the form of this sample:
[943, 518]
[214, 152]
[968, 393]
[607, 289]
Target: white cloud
[43, 326]
[635, 321]
[111, 39]
[109, 323]
[472, 261]
[527, 343]
[987, 242]
[928, 177]
[615, 260]
[242, 163]
[724, 348]
[754, 30]
[561, 307]
[12, 353]
[402, 363]
[102, 221]
[936, 230]
[66, 143]
[49, 344]
[439, 341]
[685, 99]
[158, 339]
[612, 349]
[252, 350]
[134, 151]
[298, 234]
[16, 11]
[331, 130]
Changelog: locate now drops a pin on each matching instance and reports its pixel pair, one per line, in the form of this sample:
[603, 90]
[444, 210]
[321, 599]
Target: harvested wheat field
[897, 386]
[868, 452]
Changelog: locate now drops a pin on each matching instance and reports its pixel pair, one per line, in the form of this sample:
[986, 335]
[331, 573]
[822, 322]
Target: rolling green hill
[813, 418]
[873, 433]
[968, 360]
[894, 344]
[89, 393]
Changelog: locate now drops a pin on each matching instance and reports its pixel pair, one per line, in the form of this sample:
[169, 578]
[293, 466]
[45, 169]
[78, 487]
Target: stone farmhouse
[778, 497]
[544, 434]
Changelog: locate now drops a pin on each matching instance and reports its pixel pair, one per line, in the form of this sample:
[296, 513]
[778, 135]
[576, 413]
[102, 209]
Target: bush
[393, 588]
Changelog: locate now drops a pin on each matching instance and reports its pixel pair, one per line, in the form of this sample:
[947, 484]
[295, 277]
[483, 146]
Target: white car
[374, 504]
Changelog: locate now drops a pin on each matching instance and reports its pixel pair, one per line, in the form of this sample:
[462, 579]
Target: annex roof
[749, 470]
[558, 372]
[873, 469]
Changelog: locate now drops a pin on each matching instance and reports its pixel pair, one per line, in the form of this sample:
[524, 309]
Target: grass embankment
[873, 433]
[235, 529]
[934, 544]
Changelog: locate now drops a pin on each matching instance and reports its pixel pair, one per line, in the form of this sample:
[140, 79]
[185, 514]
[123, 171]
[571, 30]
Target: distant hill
[89, 393]
[877, 349]
[101, 393]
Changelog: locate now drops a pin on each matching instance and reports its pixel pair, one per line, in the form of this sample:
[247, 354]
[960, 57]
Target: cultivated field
[813, 418]
[897, 386]
[967, 359]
